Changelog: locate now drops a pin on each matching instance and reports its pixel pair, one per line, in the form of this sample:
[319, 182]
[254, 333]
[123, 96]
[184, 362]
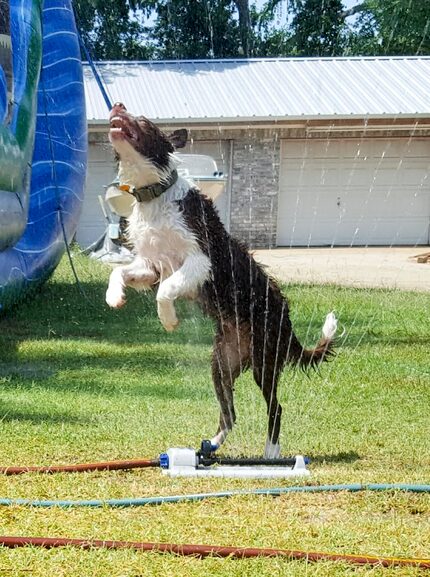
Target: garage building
[318, 151]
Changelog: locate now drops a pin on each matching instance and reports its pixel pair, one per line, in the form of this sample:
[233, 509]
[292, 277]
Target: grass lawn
[80, 382]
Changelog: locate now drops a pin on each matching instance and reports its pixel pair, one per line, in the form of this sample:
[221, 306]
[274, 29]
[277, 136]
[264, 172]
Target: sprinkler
[186, 462]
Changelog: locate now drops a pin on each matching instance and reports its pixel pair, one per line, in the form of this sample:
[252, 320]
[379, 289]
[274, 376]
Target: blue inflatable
[43, 141]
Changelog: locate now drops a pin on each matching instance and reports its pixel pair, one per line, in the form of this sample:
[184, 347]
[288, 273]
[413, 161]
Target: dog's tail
[311, 358]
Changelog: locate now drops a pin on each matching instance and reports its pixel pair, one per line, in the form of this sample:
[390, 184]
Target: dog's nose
[117, 107]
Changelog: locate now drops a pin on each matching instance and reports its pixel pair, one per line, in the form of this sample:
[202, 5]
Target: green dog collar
[147, 193]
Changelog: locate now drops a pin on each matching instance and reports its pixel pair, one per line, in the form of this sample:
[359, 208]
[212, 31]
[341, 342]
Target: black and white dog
[180, 243]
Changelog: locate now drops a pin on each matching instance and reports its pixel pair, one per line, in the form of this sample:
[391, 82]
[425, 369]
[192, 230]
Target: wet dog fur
[181, 245]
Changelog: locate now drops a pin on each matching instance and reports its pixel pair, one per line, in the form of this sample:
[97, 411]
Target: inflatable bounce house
[43, 141]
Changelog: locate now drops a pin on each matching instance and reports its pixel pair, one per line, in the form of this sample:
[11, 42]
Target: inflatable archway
[43, 141]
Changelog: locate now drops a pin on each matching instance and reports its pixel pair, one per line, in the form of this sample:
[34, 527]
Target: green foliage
[144, 29]
[113, 29]
[197, 29]
[270, 38]
[318, 28]
[362, 39]
[394, 27]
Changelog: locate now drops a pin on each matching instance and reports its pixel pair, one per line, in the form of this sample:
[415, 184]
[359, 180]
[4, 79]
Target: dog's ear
[179, 138]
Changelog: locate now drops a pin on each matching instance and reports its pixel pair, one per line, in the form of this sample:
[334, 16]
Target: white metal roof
[263, 89]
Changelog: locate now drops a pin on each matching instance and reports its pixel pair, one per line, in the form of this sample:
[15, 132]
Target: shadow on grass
[32, 371]
[59, 313]
[144, 362]
[164, 389]
[151, 362]
[58, 310]
[354, 333]
[343, 457]
[36, 417]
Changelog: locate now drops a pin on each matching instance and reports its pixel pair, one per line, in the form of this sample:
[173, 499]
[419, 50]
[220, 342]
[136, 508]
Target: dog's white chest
[158, 232]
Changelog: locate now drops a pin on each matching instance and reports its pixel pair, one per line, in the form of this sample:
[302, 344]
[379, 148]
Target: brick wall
[254, 182]
[254, 188]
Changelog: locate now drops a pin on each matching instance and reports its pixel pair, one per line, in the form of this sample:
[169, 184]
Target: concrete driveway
[357, 267]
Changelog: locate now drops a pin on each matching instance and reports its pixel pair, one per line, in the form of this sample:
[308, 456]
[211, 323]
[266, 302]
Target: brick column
[255, 185]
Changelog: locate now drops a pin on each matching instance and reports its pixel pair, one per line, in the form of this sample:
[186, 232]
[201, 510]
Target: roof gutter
[313, 123]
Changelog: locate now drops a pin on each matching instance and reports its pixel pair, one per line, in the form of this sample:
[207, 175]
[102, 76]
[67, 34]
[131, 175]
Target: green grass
[80, 382]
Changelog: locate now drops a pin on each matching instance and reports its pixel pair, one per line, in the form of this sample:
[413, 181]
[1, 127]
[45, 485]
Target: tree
[259, 37]
[144, 29]
[318, 27]
[179, 29]
[113, 29]
[216, 28]
[196, 29]
[392, 27]
[270, 37]
[245, 27]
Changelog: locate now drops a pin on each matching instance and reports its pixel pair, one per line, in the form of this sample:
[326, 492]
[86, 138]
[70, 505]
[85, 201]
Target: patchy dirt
[381, 267]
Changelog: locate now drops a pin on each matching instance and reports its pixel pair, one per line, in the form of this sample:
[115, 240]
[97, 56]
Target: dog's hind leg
[229, 359]
[267, 379]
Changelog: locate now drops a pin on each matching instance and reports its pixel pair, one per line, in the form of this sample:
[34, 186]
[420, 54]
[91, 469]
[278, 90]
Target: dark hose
[213, 550]
[83, 467]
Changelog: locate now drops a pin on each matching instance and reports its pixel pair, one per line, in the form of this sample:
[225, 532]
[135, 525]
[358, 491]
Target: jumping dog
[181, 245]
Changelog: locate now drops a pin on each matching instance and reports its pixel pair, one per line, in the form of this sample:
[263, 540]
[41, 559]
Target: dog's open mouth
[120, 128]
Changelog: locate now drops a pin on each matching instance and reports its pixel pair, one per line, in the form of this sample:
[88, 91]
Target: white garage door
[354, 192]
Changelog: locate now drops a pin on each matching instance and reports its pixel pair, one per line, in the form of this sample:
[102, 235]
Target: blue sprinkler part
[276, 492]
[164, 461]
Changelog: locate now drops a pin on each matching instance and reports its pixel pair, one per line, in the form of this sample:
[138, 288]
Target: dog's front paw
[115, 298]
[167, 315]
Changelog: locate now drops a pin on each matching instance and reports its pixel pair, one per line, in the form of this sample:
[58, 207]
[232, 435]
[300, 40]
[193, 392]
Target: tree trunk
[244, 26]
